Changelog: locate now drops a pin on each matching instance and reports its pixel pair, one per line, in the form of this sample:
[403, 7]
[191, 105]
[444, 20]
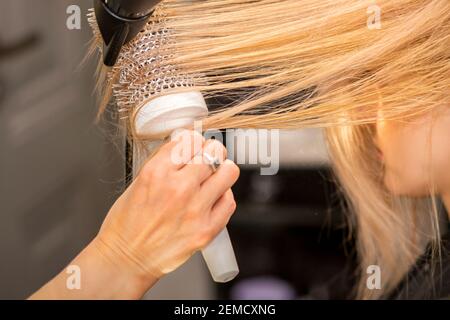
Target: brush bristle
[142, 71]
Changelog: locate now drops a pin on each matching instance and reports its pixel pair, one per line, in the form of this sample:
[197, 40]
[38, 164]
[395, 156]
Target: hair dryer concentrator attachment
[119, 22]
[161, 116]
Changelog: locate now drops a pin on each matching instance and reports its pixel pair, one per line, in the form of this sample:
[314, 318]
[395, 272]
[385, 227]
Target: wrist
[121, 280]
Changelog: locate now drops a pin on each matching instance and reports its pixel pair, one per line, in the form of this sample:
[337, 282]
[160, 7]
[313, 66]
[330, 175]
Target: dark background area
[290, 236]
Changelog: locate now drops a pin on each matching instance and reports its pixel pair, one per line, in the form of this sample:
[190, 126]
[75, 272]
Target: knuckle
[184, 135]
[181, 189]
[189, 136]
[193, 211]
[203, 239]
[215, 148]
[232, 206]
[218, 222]
[179, 134]
[160, 175]
[229, 195]
[148, 172]
[198, 137]
[234, 170]
[189, 146]
[225, 213]
[193, 137]
[237, 171]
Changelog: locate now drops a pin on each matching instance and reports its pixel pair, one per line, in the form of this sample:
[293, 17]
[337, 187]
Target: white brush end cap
[167, 113]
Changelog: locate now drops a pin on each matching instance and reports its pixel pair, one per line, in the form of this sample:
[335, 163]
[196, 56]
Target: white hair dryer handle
[220, 259]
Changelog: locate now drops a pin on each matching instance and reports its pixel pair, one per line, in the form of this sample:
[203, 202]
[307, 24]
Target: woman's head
[291, 64]
[416, 153]
[391, 172]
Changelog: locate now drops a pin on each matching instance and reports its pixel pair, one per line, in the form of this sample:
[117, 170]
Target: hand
[171, 210]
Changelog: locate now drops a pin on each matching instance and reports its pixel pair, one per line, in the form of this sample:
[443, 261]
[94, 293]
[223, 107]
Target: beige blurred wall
[59, 171]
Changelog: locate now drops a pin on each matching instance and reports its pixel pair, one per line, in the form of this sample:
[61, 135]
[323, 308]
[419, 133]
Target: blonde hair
[291, 64]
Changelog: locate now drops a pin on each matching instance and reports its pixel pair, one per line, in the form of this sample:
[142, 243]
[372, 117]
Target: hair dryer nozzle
[119, 22]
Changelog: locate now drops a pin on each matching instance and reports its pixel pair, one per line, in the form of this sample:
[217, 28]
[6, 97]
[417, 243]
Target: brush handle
[220, 259]
[162, 116]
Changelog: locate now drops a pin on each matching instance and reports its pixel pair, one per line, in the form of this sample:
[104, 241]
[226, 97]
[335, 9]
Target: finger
[222, 211]
[199, 167]
[184, 145]
[217, 184]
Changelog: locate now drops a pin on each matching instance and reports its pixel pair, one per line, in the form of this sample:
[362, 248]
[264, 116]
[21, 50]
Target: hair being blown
[289, 64]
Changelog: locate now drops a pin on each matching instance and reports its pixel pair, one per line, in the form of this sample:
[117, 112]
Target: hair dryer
[119, 22]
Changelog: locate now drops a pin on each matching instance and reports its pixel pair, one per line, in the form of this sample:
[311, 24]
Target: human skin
[170, 211]
[416, 154]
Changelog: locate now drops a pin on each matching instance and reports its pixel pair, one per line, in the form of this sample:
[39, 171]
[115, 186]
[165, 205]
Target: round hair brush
[156, 98]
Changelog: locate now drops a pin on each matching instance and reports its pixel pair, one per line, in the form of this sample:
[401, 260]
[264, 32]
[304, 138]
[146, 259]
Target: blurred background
[60, 172]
